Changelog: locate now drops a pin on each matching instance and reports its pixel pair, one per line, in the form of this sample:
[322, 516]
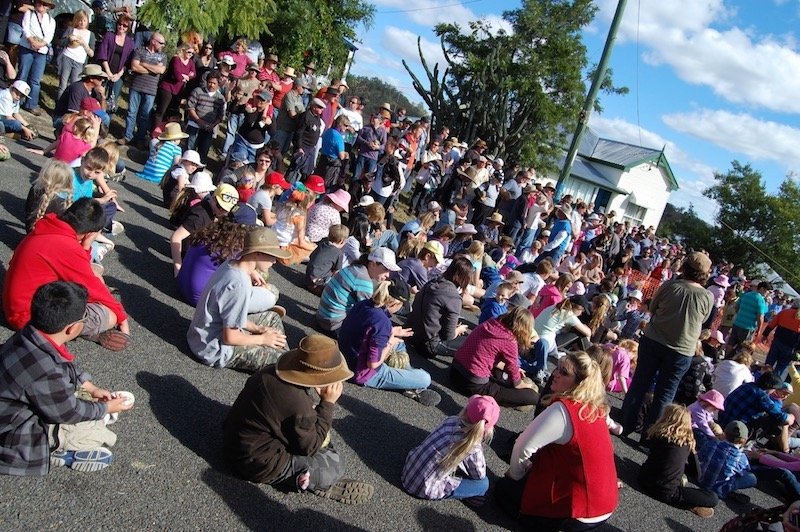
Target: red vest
[578, 479]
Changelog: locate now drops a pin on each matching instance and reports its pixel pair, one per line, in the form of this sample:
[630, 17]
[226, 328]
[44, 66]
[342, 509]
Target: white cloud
[742, 133]
[693, 176]
[370, 56]
[736, 63]
[403, 44]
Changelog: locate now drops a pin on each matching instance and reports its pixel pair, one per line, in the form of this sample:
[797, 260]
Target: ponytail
[472, 435]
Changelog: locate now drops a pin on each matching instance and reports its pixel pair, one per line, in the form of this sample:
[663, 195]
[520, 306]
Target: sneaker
[110, 419]
[702, 511]
[117, 228]
[83, 461]
[348, 491]
[118, 176]
[424, 396]
[36, 111]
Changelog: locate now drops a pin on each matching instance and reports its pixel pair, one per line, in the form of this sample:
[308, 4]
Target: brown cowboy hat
[316, 362]
[470, 173]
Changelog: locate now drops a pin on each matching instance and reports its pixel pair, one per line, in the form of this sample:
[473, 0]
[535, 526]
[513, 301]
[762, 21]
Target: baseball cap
[240, 155]
[698, 261]
[91, 105]
[385, 257]
[736, 430]
[315, 183]
[483, 408]
[437, 249]
[226, 196]
[276, 178]
[399, 290]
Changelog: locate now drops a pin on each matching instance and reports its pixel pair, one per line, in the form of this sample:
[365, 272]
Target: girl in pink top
[552, 294]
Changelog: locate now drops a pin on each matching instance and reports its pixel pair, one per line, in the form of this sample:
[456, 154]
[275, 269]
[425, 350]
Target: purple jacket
[106, 48]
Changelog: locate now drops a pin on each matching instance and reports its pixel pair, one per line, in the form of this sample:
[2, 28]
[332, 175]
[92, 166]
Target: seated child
[164, 153]
[671, 442]
[179, 175]
[326, 259]
[245, 185]
[623, 357]
[498, 305]
[39, 385]
[449, 463]
[703, 411]
[723, 465]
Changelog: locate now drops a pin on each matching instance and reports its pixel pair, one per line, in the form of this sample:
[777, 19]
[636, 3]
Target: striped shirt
[422, 476]
[345, 289]
[162, 157]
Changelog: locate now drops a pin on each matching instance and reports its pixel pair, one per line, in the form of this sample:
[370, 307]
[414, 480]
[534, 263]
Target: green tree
[521, 92]
[298, 30]
[375, 91]
[756, 227]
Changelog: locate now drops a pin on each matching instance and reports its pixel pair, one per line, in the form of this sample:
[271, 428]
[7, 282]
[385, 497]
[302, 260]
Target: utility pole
[583, 118]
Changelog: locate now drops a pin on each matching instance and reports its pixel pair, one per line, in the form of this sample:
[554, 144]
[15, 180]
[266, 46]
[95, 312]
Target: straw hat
[316, 362]
[289, 72]
[496, 217]
[264, 240]
[173, 131]
[470, 173]
[93, 71]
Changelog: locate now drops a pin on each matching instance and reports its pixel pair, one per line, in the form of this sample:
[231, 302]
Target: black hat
[399, 290]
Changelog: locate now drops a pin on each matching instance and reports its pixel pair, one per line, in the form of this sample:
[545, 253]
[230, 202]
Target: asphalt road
[169, 473]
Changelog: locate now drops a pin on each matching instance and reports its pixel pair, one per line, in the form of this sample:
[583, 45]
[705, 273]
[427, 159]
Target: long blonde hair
[675, 426]
[54, 178]
[473, 435]
[601, 306]
[589, 390]
[381, 296]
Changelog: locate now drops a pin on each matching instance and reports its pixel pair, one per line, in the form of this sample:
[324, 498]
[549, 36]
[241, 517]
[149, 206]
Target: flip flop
[114, 340]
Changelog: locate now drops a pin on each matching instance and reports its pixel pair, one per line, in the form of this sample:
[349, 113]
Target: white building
[633, 181]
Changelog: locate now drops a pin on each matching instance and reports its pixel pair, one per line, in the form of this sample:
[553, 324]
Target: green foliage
[519, 92]
[375, 91]
[298, 30]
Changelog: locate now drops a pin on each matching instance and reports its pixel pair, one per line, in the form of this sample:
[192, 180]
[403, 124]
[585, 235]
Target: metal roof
[588, 171]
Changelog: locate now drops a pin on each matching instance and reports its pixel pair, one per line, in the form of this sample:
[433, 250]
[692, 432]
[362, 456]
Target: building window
[634, 214]
[580, 190]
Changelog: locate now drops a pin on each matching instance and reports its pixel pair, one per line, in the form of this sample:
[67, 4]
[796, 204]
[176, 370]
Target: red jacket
[51, 252]
[575, 480]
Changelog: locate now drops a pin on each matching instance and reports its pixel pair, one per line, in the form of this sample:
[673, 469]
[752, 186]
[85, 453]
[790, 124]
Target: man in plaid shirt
[39, 409]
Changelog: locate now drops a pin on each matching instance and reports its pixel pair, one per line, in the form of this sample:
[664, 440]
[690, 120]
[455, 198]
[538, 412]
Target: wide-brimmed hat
[316, 102]
[721, 280]
[191, 156]
[93, 71]
[566, 208]
[698, 261]
[466, 229]
[277, 179]
[340, 198]
[264, 240]
[470, 173]
[332, 90]
[387, 106]
[272, 57]
[289, 72]
[496, 217]
[714, 398]
[436, 248]
[21, 87]
[315, 183]
[549, 185]
[252, 67]
[483, 408]
[228, 60]
[366, 201]
[172, 131]
[316, 362]
[201, 183]
[226, 196]
[311, 66]
[385, 257]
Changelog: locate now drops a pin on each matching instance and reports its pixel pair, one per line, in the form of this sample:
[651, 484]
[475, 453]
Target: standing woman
[204, 61]
[678, 310]
[181, 71]
[114, 54]
[562, 474]
[38, 29]
[78, 48]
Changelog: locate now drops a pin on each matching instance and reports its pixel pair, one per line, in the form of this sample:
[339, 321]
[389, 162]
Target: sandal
[114, 340]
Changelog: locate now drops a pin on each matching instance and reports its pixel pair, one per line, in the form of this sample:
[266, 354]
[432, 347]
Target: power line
[768, 259]
[428, 8]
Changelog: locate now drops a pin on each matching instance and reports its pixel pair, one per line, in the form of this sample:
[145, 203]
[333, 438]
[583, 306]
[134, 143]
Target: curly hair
[674, 426]
[224, 239]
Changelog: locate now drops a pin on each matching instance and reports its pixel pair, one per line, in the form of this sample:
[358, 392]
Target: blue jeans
[31, 69]
[526, 238]
[740, 481]
[470, 487]
[199, 140]
[386, 378]
[657, 363]
[11, 126]
[790, 483]
[371, 166]
[779, 357]
[241, 144]
[138, 119]
[234, 121]
[284, 139]
[114, 91]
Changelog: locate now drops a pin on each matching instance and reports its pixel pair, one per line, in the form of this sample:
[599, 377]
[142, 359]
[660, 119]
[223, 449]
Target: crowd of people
[311, 181]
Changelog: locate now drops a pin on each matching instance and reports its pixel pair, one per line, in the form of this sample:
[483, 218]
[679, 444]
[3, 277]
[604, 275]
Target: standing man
[205, 110]
[331, 164]
[291, 108]
[309, 80]
[309, 129]
[147, 65]
[750, 310]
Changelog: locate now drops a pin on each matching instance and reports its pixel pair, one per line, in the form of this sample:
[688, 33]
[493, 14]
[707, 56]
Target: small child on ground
[48, 424]
[703, 411]
[623, 357]
[724, 467]
[671, 442]
[246, 184]
[498, 305]
[326, 260]
[449, 463]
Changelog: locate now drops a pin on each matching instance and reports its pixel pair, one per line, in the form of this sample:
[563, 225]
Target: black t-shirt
[71, 99]
[197, 218]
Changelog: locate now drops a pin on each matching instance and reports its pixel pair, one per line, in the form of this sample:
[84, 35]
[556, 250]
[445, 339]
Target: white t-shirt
[729, 375]
[8, 107]
[78, 53]
[531, 285]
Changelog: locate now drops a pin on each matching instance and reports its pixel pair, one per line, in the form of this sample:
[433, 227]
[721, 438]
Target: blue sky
[712, 80]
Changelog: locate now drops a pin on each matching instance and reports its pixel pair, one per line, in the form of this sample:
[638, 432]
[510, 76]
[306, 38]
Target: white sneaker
[110, 419]
[117, 228]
